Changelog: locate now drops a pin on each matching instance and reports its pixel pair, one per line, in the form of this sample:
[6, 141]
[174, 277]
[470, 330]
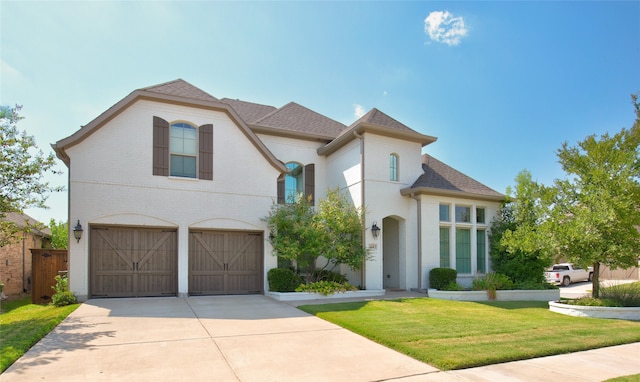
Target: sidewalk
[592, 365]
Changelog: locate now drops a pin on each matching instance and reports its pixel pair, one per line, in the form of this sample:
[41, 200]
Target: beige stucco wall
[111, 182]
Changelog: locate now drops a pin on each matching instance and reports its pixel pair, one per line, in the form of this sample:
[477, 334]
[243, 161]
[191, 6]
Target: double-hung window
[184, 150]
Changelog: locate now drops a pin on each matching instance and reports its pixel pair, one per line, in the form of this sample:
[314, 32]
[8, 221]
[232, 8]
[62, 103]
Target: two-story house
[171, 186]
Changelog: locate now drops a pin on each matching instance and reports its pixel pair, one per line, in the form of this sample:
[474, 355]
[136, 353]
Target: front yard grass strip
[456, 335]
[22, 324]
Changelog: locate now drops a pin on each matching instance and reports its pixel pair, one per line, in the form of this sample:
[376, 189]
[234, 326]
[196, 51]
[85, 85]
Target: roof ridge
[180, 88]
[227, 99]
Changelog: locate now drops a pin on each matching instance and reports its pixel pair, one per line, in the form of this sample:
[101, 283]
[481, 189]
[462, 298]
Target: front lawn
[22, 324]
[456, 335]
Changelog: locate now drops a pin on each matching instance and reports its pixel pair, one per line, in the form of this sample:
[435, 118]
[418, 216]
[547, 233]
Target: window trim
[173, 154]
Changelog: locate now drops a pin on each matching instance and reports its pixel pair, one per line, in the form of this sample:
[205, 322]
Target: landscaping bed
[620, 313]
[301, 296]
[501, 295]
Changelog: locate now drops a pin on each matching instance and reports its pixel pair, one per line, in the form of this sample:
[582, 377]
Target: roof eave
[267, 130]
[350, 134]
[409, 191]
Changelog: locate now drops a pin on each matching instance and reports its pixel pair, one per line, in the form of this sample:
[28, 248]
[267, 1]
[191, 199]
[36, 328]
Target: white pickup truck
[566, 273]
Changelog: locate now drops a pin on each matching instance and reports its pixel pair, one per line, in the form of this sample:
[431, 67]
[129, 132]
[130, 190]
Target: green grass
[456, 335]
[628, 378]
[22, 324]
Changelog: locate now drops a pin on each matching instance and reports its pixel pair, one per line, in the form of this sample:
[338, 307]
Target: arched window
[393, 167]
[184, 150]
[293, 182]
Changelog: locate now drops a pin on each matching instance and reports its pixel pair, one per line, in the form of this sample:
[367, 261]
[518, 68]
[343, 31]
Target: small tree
[340, 225]
[22, 168]
[59, 234]
[303, 237]
[519, 247]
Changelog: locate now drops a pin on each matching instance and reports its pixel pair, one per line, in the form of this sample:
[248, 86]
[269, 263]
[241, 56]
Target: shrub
[326, 275]
[326, 287]
[590, 301]
[492, 281]
[282, 280]
[533, 285]
[62, 296]
[452, 286]
[627, 295]
[441, 277]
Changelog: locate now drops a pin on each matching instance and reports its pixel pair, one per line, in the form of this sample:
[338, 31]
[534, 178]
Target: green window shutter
[444, 248]
[463, 250]
[205, 154]
[160, 147]
[481, 251]
[309, 182]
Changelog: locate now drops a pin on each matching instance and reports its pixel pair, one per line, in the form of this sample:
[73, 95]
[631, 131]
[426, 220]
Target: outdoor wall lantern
[375, 230]
[77, 231]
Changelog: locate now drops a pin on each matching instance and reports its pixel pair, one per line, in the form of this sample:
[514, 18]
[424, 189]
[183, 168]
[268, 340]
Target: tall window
[184, 150]
[463, 250]
[293, 182]
[444, 247]
[393, 167]
[481, 255]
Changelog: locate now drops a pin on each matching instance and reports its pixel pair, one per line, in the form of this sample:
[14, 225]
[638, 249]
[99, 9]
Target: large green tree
[317, 240]
[592, 216]
[596, 211]
[519, 246]
[22, 170]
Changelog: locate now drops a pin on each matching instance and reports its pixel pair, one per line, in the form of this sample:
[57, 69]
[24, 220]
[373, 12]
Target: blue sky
[501, 84]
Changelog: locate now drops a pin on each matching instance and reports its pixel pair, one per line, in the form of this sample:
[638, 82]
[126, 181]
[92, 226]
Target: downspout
[363, 271]
[419, 236]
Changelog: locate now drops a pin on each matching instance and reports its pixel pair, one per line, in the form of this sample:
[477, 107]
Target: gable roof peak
[180, 88]
[297, 118]
[378, 118]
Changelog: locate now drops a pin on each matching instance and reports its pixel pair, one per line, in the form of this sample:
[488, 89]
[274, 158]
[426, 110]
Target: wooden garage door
[133, 262]
[225, 262]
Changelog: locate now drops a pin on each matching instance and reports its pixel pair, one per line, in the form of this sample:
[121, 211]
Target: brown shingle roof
[297, 118]
[378, 118]
[180, 88]
[249, 111]
[439, 176]
[24, 220]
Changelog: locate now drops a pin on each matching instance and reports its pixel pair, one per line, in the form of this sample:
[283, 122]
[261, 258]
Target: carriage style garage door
[133, 262]
[225, 262]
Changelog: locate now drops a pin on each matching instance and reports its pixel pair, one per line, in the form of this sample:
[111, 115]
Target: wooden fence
[46, 264]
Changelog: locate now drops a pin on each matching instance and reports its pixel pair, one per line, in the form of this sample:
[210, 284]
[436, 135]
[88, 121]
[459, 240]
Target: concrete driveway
[222, 338]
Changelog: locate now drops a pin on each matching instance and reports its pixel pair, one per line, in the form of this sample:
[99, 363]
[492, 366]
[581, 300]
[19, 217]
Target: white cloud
[358, 110]
[444, 27]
